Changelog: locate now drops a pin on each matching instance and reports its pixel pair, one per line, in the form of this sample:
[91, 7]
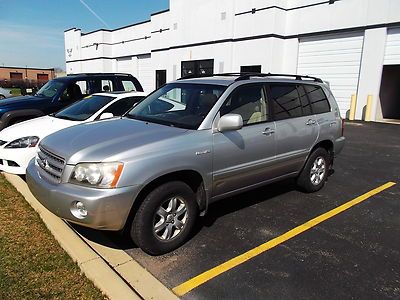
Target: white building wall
[229, 32]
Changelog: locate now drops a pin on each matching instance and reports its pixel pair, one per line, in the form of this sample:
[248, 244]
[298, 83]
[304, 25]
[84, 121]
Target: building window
[198, 67]
[250, 69]
[161, 78]
[15, 76]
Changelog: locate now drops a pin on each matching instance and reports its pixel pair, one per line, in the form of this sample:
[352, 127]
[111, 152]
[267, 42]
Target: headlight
[25, 142]
[102, 175]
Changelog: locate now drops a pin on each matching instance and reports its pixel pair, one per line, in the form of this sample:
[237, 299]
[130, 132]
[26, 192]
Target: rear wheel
[313, 176]
[2, 97]
[165, 219]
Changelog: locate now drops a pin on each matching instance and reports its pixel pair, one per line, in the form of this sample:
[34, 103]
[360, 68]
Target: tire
[2, 97]
[164, 207]
[315, 172]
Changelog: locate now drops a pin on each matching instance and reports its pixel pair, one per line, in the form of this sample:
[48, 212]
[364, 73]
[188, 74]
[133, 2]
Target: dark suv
[61, 92]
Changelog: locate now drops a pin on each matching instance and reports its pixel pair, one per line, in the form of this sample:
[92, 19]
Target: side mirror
[230, 122]
[106, 116]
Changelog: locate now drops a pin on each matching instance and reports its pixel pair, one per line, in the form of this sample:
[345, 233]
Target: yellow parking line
[191, 284]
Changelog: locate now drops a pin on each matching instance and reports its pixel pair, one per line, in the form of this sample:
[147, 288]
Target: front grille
[2, 143]
[51, 166]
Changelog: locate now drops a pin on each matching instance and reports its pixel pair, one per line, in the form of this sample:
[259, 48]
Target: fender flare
[10, 115]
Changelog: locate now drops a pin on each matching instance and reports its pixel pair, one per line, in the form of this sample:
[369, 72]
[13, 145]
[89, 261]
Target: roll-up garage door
[146, 75]
[392, 52]
[335, 59]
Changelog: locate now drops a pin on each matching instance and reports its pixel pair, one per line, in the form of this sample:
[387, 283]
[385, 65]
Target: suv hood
[17, 101]
[106, 140]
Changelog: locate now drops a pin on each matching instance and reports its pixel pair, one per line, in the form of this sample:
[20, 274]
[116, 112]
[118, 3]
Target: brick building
[29, 76]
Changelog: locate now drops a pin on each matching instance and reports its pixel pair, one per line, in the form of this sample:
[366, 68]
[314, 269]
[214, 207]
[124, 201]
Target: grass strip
[32, 263]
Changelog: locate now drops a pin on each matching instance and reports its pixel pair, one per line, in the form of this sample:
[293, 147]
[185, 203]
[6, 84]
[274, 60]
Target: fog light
[79, 210]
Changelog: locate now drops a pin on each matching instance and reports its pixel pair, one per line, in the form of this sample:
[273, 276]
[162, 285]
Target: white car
[18, 143]
[5, 93]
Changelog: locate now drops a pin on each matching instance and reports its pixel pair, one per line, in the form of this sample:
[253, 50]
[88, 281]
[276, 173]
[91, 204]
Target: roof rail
[248, 75]
[89, 74]
[211, 75]
[297, 77]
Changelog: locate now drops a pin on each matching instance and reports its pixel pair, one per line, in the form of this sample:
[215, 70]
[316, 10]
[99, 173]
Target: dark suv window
[122, 106]
[286, 101]
[249, 101]
[319, 102]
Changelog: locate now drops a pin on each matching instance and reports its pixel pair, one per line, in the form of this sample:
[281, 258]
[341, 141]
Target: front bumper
[19, 156]
[108, 209]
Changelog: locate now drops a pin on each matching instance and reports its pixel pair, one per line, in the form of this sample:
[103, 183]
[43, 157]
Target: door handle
[268, 131]
[311, 122]
[332, 124]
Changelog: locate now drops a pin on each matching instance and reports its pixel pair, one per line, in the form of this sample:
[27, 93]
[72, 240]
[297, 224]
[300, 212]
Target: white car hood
[40, 127]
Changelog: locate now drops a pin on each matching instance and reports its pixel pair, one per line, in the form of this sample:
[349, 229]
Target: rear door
[296, 126]
[324, 115]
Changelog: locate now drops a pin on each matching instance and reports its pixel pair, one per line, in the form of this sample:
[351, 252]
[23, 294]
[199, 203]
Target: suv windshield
[50, 89]
[183, 105]
[84, 109]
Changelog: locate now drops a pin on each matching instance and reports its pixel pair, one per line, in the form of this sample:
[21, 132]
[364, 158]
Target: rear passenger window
[107, 85]
[305, 104]
[286, 101]
[122, 106]
[319, 102]
[129, 86]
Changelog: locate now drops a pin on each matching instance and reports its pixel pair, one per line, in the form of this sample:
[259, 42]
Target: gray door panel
[243, 158]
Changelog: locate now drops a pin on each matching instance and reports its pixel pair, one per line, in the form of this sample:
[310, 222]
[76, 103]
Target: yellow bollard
[368, 109]
[353, 105]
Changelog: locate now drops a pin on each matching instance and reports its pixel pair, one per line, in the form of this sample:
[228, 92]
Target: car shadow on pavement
[121, 240]
[238, 202]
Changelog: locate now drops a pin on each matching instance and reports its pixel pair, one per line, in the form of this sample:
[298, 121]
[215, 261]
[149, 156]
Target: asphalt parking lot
[353, 253]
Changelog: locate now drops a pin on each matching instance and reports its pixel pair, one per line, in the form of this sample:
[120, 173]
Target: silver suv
[190, 143]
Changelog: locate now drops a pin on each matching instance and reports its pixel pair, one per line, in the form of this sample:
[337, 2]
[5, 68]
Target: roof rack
[211, 75]
[248, 75]
[297, 77]
[99, 74]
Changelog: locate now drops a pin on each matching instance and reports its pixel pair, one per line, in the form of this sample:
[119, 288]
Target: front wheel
[2, 97]
[313, 176]
[165, 219]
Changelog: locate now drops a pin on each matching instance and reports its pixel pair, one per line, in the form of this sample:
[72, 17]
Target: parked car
[5, 93]
[18, 143]
[61, 92]
[158, 168]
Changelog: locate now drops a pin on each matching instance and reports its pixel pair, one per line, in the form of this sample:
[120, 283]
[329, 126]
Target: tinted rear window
[318, 99]
[286, 101]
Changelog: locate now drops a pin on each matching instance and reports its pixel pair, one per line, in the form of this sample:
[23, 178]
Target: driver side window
[249, 101]
[72, 93]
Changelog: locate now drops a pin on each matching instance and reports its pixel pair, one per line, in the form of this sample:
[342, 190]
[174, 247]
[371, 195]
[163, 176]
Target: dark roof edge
[69, 29]
[160, 12]
[27, 68]
[116, 29]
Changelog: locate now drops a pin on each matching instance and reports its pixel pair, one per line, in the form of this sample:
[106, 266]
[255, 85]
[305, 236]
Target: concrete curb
[112, 270]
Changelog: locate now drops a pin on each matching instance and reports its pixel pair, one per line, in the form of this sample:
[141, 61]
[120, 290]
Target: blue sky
[32, 31]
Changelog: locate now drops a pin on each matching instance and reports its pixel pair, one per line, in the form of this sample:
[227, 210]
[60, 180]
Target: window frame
[266, 96]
